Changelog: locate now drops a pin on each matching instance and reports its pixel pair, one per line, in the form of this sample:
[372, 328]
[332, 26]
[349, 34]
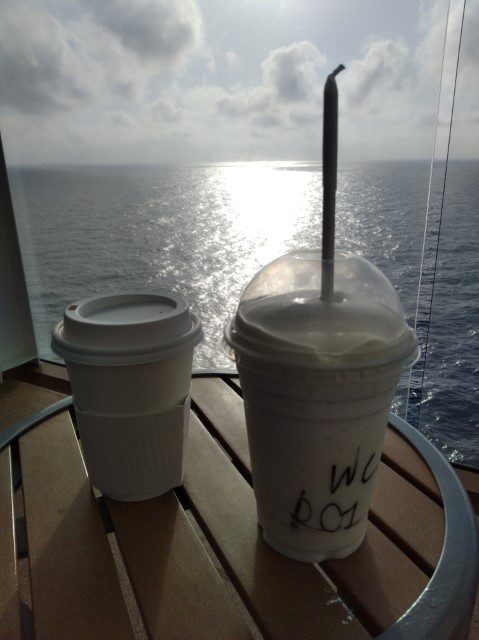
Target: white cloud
[50, 64]
[38, 71]
[232, 60]
[470, 43]
[87, 85]
[289, 78]
[115, 73]
[244, 103]
[120, 119]
[433, 26]
[211, 64]
[165, 111]
[160, 30]
[302, 117]
[291, 71]
[266, 120]
[385, 67]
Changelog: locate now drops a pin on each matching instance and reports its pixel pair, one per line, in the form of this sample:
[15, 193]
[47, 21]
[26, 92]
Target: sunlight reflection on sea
[203, 231]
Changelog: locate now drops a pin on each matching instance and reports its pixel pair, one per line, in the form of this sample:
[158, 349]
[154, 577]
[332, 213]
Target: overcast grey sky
[218, 80]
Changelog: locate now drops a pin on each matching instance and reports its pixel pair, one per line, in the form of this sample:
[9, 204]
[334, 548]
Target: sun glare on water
[269, 204]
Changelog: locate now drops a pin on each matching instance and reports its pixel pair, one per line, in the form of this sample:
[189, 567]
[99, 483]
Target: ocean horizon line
[217, 163]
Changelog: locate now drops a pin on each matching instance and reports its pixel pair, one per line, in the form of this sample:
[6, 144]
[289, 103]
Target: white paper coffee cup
[129, 358]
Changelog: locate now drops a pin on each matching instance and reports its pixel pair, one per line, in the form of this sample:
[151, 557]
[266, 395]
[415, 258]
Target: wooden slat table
[192, 563]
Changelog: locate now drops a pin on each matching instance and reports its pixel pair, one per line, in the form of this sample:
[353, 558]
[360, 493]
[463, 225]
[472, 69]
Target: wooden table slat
[10, 628]
[470, 480]
[411, 519]
[399, 454]
[19, 399]
[75, 589]
[378, 579]
[235, 382]
[178, 590]
[223, 407]
[287, 599]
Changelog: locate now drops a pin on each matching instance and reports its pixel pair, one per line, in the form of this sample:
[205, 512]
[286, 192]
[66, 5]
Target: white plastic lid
[129, 328]
[281, 317]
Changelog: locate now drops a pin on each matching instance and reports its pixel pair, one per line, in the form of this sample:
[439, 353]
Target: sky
[133, 81]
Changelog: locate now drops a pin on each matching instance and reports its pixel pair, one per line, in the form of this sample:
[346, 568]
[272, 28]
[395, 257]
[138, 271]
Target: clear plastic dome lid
[282, 318]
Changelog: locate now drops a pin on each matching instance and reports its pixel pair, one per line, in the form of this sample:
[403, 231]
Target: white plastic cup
[129, 359]
[318, 379]
[315, 440]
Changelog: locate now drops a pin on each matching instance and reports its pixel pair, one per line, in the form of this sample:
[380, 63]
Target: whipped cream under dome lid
[282, 318]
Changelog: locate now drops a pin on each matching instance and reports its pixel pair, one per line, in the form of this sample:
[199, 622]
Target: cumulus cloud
[470, 43]
[385, 66]
[289, 78]
[266, 120]
[433, 27]
[304, 117]
[232, 59]
[164, 110]
[232, 106]
[103, 62]
[38, 70]
[161, 30]
[50, 63]
[440, 38]
[244, 103]
[211, 63]
[91, 82]
[120, 119]
[291, 71]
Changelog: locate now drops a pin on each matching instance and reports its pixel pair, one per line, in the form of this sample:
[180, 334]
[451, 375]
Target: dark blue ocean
[204, 231]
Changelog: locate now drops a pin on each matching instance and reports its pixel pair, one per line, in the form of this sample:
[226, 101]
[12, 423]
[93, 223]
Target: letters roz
[332, 516]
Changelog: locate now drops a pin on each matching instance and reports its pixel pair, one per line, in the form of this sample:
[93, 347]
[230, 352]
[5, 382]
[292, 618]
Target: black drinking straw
[330, 170]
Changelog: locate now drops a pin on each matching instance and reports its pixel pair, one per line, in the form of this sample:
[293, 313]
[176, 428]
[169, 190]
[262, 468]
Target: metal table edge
[434, 616]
